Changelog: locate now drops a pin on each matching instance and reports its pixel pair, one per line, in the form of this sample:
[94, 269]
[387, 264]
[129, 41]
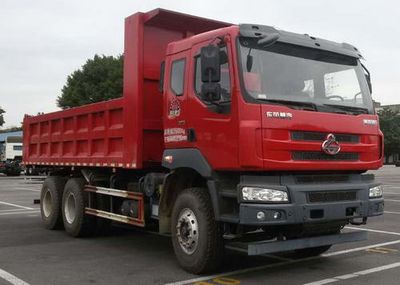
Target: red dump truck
[227, 136]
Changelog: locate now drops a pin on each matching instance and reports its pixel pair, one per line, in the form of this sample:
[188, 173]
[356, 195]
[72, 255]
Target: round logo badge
[330, 145]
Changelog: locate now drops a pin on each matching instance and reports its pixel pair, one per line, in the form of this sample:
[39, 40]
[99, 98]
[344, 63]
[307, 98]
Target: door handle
[191, 134]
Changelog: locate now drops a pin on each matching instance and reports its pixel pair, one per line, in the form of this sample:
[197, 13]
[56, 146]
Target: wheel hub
[70, 208]
[47, 204]
[187, 231]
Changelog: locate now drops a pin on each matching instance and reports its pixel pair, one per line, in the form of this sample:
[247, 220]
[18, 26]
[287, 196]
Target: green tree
[11, 129]
[1, 117]
[99, 79]
[389, 121]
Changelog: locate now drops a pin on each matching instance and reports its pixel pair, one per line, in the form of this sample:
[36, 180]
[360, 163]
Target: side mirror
[210, 64]
[211, 91]
[210, 73]
[249, 62]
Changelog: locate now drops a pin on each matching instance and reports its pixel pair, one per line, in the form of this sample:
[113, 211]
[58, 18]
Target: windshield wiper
[308, 106]
[352, 109]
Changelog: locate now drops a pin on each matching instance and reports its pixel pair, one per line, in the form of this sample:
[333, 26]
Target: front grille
[307, 179]
[317, 136]
[331, 196]
[316, 155]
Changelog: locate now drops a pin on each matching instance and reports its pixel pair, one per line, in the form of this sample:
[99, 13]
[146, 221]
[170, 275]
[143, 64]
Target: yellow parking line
[387, 249]
[377, 250]
[383, 250]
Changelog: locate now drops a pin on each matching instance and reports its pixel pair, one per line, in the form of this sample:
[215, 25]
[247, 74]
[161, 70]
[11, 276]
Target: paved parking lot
[30, 254]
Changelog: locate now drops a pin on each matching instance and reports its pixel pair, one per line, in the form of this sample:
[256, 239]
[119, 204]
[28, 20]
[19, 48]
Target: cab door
[175, 100]
[212, 126]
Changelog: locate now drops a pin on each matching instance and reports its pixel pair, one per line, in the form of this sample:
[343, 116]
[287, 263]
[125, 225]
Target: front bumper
[301, 210]
[265, 247]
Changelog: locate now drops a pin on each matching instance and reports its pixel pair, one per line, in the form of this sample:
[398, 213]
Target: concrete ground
[29, 254]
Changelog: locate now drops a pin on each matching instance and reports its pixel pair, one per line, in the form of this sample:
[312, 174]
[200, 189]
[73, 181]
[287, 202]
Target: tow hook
[358, 223]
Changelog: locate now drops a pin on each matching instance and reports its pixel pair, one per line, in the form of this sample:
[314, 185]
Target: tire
[50, 202]
[312, 251]
[76, 222]
[193, 217]
[13, 173]
[30, 171]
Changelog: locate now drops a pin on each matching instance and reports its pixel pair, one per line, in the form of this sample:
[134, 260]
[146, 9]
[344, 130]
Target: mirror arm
[368, 76]
[220, 38]
[366, 70]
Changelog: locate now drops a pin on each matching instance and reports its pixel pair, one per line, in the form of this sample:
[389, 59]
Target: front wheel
[196, 236]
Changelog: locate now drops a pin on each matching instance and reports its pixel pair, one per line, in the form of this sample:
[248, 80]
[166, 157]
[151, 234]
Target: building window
[17, 147]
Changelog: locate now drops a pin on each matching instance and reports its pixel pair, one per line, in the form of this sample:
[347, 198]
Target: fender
[192, 158]
[187, 158]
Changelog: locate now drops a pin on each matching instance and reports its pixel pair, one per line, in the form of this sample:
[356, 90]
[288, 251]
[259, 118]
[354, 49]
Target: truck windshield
[303, 77]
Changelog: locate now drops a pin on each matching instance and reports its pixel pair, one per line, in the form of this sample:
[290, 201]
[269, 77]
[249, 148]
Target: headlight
[261, 194]
[376, 192]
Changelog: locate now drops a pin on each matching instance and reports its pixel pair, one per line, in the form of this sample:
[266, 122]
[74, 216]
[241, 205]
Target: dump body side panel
[91, 135]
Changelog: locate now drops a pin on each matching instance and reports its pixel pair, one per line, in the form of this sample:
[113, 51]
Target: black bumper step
[264, 247]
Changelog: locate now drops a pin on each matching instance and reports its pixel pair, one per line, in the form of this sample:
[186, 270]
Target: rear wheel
[14, 173]
[74, 199]
[30, 171]
[196, 237]
[50, 202]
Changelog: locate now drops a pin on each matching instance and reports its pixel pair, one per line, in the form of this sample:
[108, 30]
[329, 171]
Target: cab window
[178, 76]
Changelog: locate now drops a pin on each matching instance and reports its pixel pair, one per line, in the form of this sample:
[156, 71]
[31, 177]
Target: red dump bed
[125, 132]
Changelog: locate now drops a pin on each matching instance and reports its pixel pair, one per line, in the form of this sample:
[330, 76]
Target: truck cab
[11, 156]
[282, 127]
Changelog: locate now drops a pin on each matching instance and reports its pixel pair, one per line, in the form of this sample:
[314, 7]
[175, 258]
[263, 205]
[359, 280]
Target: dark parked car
[10, 168]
